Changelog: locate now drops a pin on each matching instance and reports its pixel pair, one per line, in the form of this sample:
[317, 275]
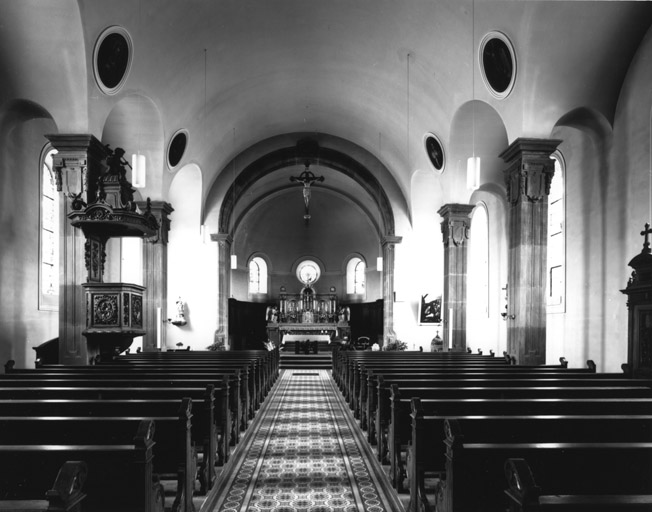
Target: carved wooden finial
[646, 233]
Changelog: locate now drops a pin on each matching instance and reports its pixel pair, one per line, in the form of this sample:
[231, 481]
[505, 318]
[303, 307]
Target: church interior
[469, 177]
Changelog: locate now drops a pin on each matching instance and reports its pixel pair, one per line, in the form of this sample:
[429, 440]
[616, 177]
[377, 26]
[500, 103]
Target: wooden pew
[533, 389]
[525, 495]
[395, 409]
[343, 359]
[174, 455]
[120, 476]
[265, 364]
[368, 397]
[222, 422]
[351, 377]
[65, 494]
[134, 383]
[358, 371]
[474, 463]
[203, 430]
[249, 385]
[232, 378]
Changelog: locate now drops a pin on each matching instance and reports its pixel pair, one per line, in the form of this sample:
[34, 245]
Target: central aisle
[303, 452]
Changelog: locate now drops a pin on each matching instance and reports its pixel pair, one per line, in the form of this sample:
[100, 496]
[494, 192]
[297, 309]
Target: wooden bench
[223, 424]
[264, 364]
[231, 378]
[174, 455]
[435, 411]
[120, 476]
[402, 405]
[369, 393]
[532, 390]
[474, 480]
[106, 387]
[359, 372]
[209, 445]
[65, 494]
[525, 495]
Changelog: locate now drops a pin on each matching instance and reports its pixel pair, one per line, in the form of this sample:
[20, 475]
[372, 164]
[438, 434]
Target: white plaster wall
[192, 266]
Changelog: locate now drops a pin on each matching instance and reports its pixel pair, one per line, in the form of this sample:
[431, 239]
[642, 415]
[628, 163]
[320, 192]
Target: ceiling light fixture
[234, 257]
[473, 162]
[379, 259]
[138, 161]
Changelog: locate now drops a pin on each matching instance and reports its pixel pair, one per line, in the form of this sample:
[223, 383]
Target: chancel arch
[350, 211]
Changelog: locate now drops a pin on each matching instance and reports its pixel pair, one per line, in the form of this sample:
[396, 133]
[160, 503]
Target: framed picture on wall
[429, 310]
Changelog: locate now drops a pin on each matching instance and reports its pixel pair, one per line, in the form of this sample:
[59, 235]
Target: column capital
[530, 169]
[222, 238]
[523, 148]
[391, 239]
[455, 210]
[78, 155]
[71, 142]
[161, 210]
[456, 223]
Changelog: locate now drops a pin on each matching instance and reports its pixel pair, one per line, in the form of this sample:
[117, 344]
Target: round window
[177, 148]
[435, 151]
[112, 59]
[498, 64]
[308, 272]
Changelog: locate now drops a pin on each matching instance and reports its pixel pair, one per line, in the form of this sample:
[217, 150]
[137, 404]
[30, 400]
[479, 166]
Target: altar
[281, 332]
[305, 337]
[307, 316]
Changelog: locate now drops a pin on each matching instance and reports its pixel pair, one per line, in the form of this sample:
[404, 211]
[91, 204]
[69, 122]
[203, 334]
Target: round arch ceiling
[349, 179]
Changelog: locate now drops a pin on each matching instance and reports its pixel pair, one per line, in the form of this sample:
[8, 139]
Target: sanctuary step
[292, 361]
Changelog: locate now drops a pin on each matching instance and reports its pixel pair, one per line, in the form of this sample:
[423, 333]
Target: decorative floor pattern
[304, 452]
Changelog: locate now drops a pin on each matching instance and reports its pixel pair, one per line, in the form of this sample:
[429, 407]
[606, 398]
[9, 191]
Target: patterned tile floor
[303, 452]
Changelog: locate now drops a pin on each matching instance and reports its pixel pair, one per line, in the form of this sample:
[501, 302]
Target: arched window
[355, 276]
[478, 264]
[49, 235]
[257, 275]
[556, 296]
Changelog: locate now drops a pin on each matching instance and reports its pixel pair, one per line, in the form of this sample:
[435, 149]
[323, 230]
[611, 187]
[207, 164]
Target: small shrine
[639, 304]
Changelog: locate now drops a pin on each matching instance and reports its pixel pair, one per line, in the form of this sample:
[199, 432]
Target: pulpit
[639, 304]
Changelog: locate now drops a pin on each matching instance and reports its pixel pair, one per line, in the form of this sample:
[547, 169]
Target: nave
[186, 431]
[303, 451]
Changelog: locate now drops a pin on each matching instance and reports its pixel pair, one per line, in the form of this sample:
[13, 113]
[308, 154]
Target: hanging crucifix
[307, 178]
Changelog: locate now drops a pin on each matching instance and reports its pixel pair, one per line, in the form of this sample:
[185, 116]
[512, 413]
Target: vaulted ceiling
[246, 78]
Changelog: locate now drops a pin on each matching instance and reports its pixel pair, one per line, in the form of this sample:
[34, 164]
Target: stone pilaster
[388, 244]
[527, 177]
[224, 241]
[77, 166]
[155, 277]
[455, 230]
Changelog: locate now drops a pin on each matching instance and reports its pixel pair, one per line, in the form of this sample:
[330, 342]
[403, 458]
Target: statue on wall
[272, 314]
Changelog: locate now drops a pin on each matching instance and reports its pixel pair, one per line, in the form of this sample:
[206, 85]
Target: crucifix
[307, 178]
[646, 244]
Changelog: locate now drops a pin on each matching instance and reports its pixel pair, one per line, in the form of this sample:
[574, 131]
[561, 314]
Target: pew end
[524, 495]
[65, 495]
